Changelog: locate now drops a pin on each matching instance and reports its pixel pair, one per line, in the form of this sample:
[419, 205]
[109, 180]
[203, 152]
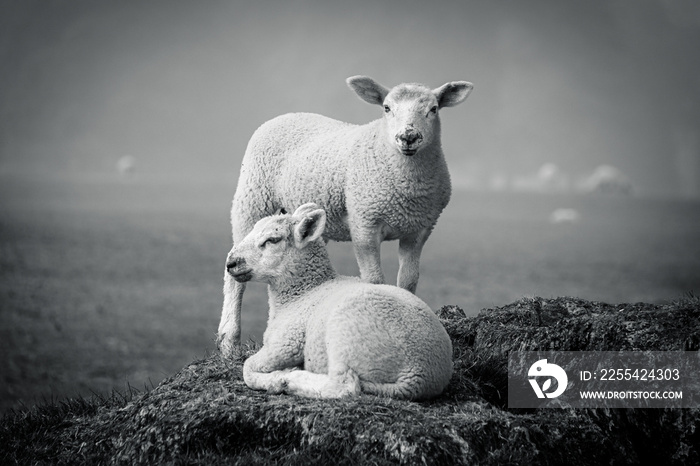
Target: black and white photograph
[350, 232]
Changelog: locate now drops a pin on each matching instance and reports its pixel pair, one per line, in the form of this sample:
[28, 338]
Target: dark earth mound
[206, 415]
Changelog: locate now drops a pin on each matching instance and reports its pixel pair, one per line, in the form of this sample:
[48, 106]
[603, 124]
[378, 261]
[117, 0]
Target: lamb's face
[411, 116]
[411, 110]
[271, 248]
[262, 254]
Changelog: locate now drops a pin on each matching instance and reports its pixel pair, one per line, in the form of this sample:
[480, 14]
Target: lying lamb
[348, 335]
[384, 180]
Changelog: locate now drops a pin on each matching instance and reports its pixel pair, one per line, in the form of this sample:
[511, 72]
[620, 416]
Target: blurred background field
[110, 281]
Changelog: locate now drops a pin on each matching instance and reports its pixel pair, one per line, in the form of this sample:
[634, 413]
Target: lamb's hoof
[227, 346]
[281, 381]
[278, 386]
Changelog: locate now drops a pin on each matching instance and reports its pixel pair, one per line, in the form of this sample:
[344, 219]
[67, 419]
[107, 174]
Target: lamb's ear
[368, 89]
[309, 228]
[304, 208]
[451, 94]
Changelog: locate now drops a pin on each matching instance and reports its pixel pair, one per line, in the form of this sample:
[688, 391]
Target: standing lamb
[384, 180]
[348, 335]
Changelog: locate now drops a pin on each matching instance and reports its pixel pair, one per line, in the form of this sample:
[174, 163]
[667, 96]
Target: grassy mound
[206, 415]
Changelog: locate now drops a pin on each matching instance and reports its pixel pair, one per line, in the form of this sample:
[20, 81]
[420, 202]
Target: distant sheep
[607, 179]
[384, 180]
[348, 335]
[550, 178]
[126, 165]
[564, 215]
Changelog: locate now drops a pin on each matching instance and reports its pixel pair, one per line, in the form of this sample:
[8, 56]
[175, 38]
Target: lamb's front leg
[410, 248]
[266, 369]
[367, 243]
[312, 385]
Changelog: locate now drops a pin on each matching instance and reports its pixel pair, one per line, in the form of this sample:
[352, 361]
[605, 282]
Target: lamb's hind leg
[229, 333]
[244, 214]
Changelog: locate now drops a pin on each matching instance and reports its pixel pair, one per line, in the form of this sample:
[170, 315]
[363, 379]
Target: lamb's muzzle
[409, 140]
[231, 263]
[236, 266]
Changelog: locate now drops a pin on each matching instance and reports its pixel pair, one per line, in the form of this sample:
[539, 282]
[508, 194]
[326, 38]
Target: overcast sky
[181, 85]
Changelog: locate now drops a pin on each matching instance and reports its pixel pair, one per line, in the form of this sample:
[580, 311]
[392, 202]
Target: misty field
[107, 283]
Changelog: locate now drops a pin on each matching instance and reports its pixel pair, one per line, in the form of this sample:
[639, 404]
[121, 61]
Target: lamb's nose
[410, 137]
[232, 263]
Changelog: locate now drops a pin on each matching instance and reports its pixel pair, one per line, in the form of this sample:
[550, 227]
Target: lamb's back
[302, 157]
[382, 330]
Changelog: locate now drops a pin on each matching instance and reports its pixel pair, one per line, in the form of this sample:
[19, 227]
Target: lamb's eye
[434, 109]
[272, 240]
[386, 109]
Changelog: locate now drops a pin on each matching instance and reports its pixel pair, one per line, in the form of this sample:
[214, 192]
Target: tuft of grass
[29, 435]
[204, 414]
[689, 299]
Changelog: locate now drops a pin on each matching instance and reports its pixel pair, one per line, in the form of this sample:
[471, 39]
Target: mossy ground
[206, 415]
